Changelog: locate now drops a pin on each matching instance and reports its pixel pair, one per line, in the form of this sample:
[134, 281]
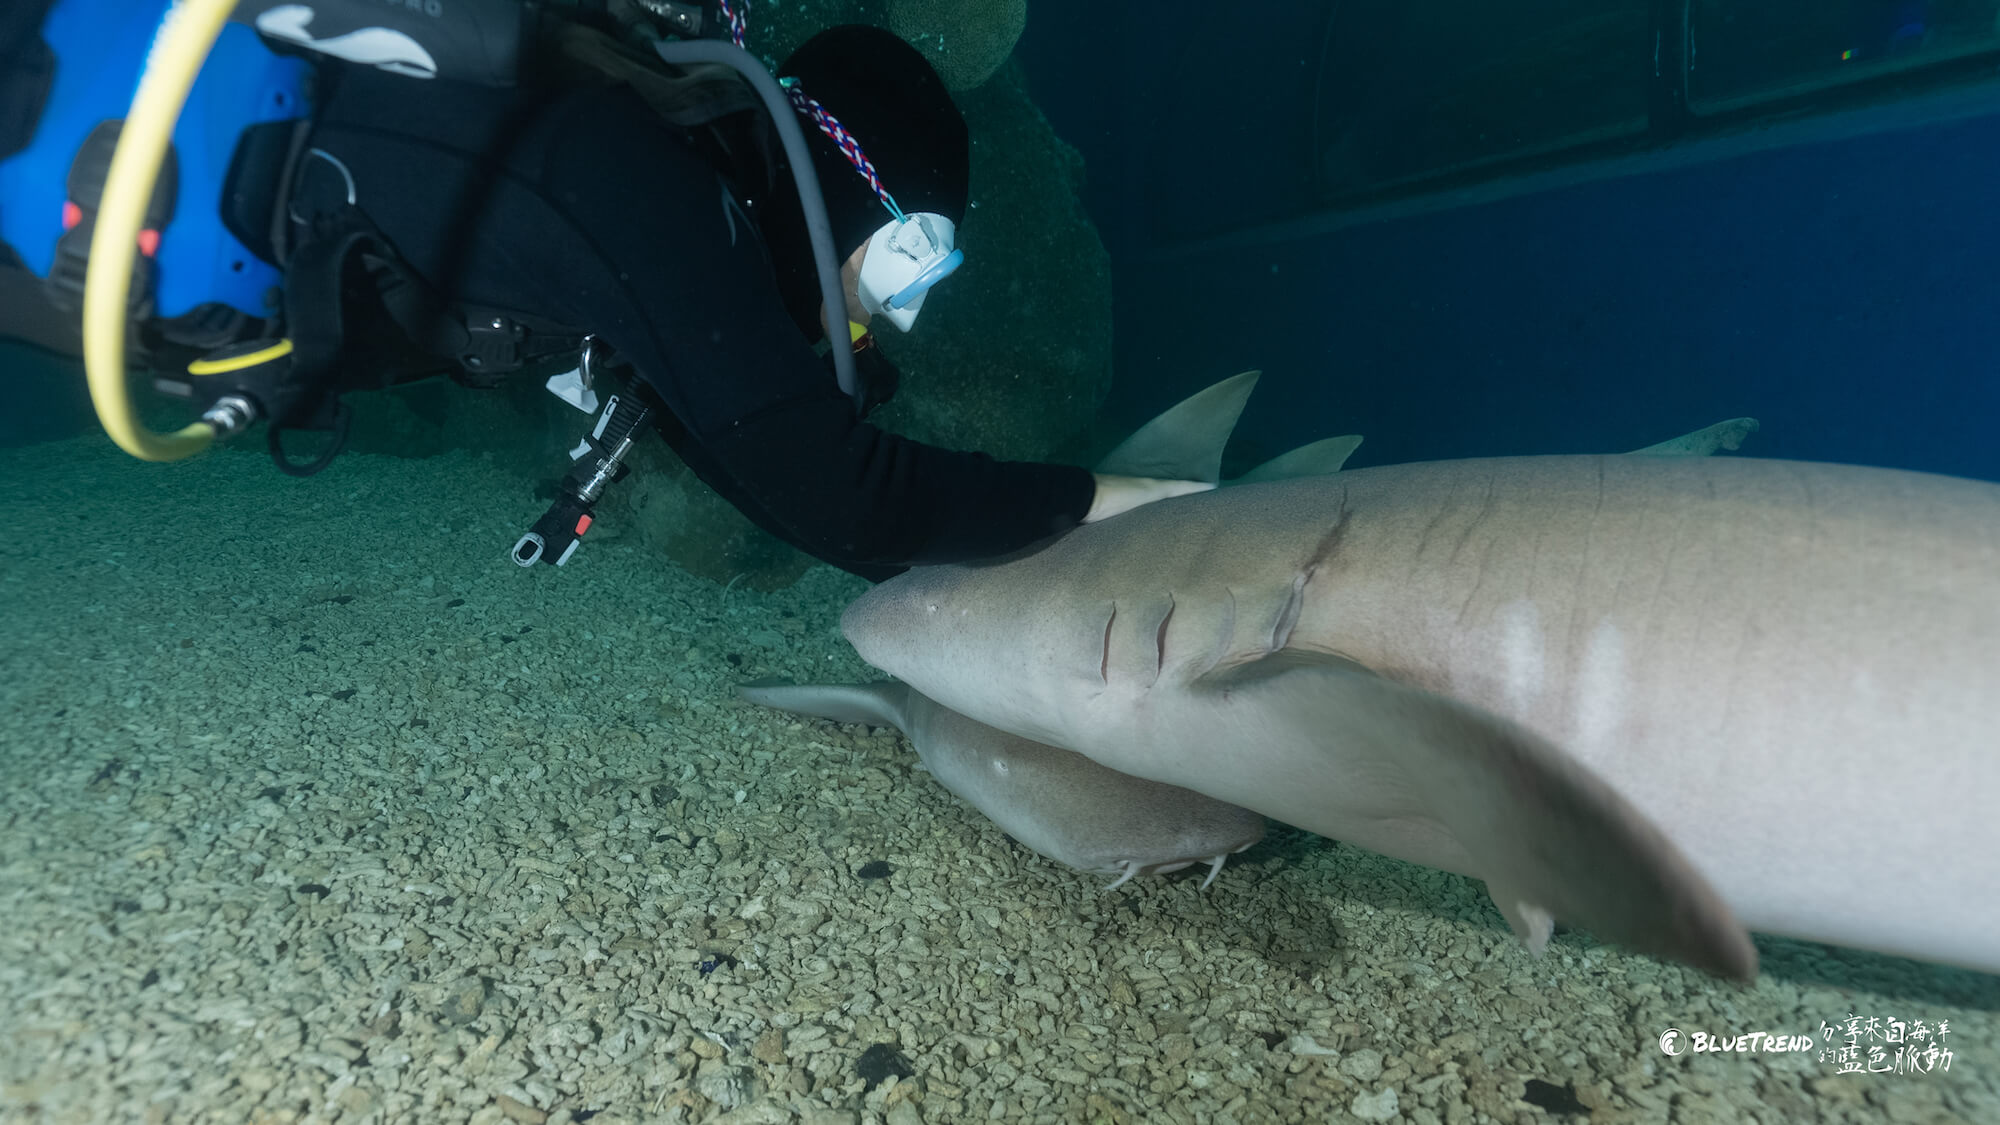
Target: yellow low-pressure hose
[182, 45]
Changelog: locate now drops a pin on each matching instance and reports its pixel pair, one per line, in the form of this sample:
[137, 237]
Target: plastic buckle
[684, 20]
[493, 345]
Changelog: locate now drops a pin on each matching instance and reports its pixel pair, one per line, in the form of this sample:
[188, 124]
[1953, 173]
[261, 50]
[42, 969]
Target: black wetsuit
[585, 209]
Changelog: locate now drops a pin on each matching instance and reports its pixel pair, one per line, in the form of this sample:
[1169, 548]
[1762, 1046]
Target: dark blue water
[1844, 292]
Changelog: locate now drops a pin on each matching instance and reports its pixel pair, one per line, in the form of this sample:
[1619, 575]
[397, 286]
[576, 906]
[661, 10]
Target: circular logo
[1670, 1041]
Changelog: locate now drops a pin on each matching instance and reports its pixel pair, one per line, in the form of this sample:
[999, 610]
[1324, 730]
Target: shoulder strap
[687, 96]
[340, 285]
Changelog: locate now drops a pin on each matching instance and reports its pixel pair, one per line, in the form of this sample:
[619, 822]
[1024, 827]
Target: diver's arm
[854, 494]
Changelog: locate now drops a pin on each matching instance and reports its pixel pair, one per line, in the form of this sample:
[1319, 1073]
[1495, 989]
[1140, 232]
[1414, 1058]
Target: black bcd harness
[357, 317]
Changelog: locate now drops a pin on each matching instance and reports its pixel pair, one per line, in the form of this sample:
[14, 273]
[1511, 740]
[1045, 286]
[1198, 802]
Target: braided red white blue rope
[739, 19]
[849, 147]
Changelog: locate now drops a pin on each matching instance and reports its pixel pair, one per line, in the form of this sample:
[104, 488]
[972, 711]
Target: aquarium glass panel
[1743, 53]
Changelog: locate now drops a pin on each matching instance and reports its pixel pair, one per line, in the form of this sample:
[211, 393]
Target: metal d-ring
[346, 177]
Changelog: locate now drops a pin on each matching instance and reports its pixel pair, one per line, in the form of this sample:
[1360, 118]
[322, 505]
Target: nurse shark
[1661, 698]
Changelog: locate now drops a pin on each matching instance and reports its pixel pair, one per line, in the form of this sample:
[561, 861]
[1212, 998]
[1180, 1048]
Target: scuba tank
[204, 257]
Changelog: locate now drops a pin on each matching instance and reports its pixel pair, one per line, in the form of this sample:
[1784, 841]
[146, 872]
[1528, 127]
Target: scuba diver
[483, 205]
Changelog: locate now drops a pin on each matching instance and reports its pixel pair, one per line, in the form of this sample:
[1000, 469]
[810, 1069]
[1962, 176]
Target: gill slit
[1288, 617]
[1104, 648]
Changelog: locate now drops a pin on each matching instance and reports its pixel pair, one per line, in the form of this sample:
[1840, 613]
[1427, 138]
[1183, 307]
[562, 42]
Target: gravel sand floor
[314, 808]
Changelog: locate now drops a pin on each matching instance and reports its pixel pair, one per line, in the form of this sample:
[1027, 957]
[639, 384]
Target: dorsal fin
[1705, 441]
[1185, 442]
[1313, 459]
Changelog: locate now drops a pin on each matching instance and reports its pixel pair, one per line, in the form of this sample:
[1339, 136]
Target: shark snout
[907, 616]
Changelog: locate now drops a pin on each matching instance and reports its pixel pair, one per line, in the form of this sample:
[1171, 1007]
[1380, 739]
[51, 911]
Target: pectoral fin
[877, 705]
[1400, 764]
[1533, 925]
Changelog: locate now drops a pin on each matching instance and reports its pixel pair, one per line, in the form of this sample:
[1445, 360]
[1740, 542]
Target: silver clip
[577, 385]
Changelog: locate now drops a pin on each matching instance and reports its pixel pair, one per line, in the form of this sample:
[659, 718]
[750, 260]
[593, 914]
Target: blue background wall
[1843, 291]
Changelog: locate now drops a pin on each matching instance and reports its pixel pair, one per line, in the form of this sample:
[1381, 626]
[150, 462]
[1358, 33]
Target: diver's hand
[1122, 494]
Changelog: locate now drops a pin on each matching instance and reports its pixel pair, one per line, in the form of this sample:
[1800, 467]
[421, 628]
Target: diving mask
[904, 259]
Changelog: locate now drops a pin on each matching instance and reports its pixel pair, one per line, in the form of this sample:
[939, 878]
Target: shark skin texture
[1659, 698]
[1055, 802]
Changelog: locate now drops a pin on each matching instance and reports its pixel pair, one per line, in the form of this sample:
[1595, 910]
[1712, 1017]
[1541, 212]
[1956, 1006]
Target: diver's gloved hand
[878, 377]
[1117, 494]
